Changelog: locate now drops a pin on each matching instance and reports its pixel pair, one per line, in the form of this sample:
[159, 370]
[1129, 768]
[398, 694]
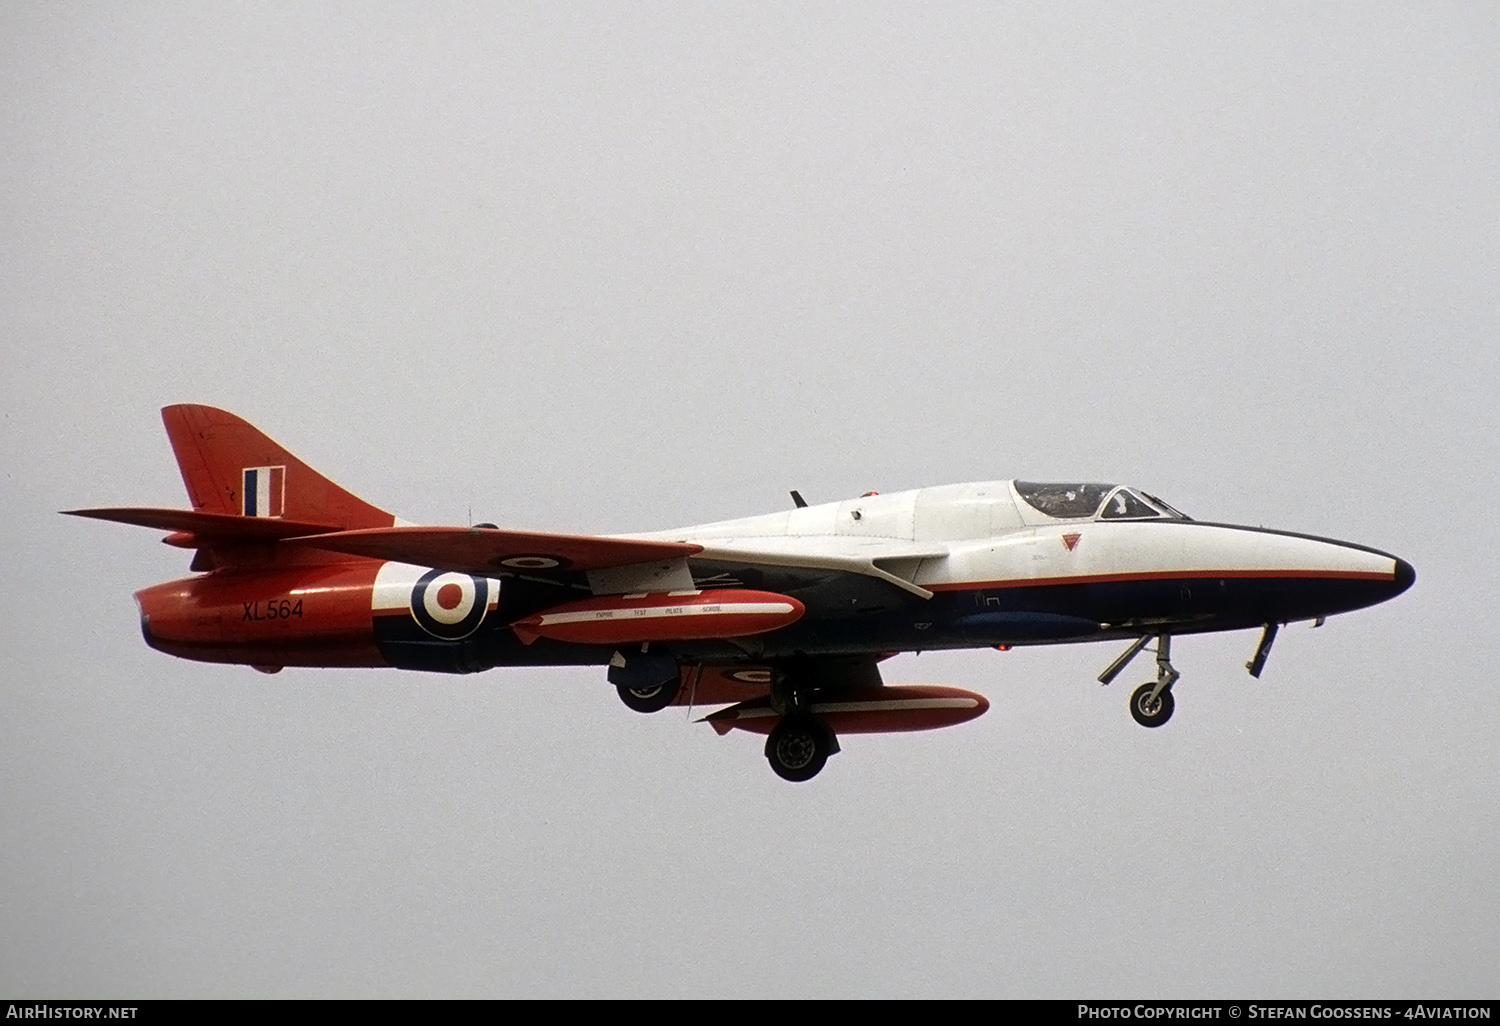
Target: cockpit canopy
[1094, 502]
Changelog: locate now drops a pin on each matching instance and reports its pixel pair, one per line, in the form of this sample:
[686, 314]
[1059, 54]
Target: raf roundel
[449, 605]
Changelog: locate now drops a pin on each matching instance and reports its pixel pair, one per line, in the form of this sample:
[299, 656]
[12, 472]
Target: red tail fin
[230, 467]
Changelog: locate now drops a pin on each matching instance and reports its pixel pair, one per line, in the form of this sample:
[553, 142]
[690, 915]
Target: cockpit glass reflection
[1123, 505]
[1091, 500]
[1064, 501]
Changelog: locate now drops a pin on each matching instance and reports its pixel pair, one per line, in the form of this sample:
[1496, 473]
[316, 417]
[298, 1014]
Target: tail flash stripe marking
[264, 491]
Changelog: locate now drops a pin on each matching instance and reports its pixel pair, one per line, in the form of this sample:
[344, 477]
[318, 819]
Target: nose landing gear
[1151, 704]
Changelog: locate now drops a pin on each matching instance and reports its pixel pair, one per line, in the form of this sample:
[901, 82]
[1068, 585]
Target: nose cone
[1289, 577]
[1406, 575]
[1360, 588]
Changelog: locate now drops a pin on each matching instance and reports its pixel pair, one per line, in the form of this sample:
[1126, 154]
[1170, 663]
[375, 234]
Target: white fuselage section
[983, 535]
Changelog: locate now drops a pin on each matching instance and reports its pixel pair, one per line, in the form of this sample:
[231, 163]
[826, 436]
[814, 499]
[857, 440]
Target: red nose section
[674, 616]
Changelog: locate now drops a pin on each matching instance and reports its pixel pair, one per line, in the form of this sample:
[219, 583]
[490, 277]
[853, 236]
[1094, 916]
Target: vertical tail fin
[230, 467]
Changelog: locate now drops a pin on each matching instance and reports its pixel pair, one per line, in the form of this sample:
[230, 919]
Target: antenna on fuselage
[798, 500]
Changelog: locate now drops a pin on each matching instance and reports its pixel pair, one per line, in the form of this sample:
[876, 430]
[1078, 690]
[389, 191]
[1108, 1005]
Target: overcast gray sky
[624, 267]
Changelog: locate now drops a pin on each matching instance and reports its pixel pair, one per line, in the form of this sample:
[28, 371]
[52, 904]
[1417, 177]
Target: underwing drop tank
[866, 710]
[666, 616]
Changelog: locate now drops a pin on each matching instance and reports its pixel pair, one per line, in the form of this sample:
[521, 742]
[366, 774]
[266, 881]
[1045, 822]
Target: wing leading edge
[484, 550]
[562, 558]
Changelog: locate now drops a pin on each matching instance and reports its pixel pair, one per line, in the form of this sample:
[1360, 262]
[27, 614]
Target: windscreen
[1126, 505]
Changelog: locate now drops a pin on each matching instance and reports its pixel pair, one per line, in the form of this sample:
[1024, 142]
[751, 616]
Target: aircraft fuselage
[1044, 582]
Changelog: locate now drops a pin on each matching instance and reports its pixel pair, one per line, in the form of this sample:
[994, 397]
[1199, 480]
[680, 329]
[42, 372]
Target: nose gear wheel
[1151, 709]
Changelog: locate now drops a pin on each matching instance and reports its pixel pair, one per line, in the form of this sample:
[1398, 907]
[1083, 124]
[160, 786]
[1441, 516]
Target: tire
[799, 747]
[1151, 714]
[653, 698]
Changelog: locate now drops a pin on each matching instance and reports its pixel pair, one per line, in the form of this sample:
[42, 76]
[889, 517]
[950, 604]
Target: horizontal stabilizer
[216, 526]
[483, 550]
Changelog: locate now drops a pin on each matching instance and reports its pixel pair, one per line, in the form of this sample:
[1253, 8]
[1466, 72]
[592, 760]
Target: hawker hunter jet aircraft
[782, 618]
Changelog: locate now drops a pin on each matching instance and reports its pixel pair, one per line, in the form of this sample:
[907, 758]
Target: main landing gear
[646, 681]
[799, 745]
[1151, 704]
[649, 698]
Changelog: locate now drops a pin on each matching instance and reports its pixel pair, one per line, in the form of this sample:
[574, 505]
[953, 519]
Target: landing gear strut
[801, 743]
[1151, 704]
